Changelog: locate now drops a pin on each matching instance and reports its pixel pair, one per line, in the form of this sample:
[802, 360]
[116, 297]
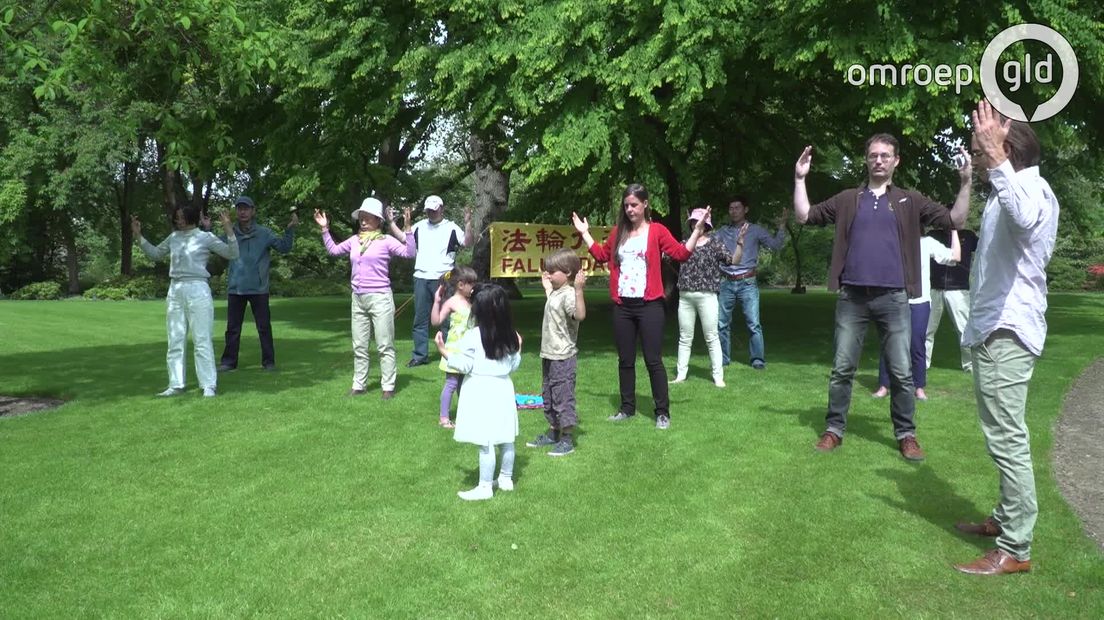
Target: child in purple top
[373, 307]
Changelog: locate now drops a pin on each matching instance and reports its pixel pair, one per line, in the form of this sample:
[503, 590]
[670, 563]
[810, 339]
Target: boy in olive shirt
[563, 311]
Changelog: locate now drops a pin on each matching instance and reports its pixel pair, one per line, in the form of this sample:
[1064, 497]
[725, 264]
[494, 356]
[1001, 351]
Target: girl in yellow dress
[456, 310]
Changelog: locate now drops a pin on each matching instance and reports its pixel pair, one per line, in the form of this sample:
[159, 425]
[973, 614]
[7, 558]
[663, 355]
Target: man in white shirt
[438, 240]
[1007, 325]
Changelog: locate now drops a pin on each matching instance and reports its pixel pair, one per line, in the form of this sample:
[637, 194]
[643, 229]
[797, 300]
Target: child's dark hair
[491, 313]
[459, 273]
[563, 260]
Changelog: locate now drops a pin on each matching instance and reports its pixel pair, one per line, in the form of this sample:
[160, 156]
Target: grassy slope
[283, 497]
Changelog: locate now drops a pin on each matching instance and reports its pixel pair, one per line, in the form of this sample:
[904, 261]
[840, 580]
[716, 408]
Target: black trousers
[638, 320]
[235, 313]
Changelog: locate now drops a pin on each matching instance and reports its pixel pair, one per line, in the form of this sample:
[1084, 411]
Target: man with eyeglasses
[876, 269]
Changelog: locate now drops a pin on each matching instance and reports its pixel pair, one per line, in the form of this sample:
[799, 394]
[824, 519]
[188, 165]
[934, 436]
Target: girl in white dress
[487, 411]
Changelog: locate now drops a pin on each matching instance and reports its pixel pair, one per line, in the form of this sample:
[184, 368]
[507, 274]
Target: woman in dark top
[634, 250]
[698, 283]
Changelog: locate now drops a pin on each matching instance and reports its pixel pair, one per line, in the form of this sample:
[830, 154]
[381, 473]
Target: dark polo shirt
[954, 277]
[874, 256]
[913, 212]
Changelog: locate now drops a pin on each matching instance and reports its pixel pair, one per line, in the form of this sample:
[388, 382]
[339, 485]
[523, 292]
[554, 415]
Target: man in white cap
[438, 240]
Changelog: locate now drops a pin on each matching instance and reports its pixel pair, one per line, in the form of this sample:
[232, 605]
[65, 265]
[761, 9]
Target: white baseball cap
[370, 206]
[434, 203]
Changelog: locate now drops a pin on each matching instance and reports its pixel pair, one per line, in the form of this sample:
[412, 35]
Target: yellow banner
[518, 250]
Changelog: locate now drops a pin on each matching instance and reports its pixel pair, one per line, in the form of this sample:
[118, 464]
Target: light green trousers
[374, 315]
[1002, 370]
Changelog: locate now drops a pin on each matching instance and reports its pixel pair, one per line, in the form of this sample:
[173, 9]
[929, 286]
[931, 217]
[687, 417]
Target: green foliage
[1073, 258]
[39, 290]
[123, 287]
[308, 287]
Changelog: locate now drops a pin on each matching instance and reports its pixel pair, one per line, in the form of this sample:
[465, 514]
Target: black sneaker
[413, 363]
[563, 447]
[542, 440]
[226, 368]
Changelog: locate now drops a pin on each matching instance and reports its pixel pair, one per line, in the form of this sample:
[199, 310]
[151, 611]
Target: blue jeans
[888, 309]
[745, 291]
[919, 314]
[424, 290]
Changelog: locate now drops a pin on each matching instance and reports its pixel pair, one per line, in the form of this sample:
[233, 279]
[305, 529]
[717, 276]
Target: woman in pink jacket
[634, 250]
[373, 311]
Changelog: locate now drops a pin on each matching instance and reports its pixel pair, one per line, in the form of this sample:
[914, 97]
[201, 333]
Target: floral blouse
[703, 271]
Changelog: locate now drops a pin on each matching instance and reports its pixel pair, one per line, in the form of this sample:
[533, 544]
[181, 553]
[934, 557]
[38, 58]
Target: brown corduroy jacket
[914, 211]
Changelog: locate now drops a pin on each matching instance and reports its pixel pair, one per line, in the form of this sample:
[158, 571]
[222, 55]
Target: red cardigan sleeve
[604, 252]
[670, 246]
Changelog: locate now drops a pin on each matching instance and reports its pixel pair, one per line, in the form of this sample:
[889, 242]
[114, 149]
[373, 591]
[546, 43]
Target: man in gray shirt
[739, 283]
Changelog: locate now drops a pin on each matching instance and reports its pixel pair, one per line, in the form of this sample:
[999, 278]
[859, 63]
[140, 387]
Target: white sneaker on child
[719, 383]
[209, 392]
[505, 484]
[483, 491]
[678, 379]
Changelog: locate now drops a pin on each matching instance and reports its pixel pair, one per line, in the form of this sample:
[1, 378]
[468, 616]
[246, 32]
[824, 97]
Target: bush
[122, 287]
[39, 290]
[308, 287]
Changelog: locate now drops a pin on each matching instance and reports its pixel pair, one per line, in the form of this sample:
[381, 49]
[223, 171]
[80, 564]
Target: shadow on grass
[123, 371]
[926, 495]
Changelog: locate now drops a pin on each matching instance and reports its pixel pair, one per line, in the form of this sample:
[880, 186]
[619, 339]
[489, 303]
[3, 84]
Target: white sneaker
[209, 392]
[483, 491]
[505, 484]
[719, 383]
[678, 379]
[171, 392]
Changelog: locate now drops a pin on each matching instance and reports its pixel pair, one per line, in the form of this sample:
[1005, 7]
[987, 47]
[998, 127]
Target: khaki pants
[373, 315]
[958, 306]
[1002, 370]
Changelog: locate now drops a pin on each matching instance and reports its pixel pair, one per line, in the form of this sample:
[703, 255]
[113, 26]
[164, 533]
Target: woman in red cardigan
[633, 250]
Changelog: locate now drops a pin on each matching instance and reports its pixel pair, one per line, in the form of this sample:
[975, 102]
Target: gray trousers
[558, 390]
[1002, 370]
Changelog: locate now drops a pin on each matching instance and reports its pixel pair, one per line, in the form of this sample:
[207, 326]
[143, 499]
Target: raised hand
[742, 233]
[966, 167]
[546, 282]
[580, 279]
[439, 295]
[804, 162]
[990, 131]
[699, 227]
[224, 219]
[135, 226]
[581, 225]
[783, 218]
[321, 219]
[408, 216]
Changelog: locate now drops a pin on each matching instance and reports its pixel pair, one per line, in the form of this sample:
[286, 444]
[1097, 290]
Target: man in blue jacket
[248, 282]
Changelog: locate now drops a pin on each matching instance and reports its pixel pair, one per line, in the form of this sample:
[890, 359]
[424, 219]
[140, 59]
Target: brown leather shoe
[828, 442]
[910, 449]
[388, 394]
[988, 527]
[995, 562]
[355, 392]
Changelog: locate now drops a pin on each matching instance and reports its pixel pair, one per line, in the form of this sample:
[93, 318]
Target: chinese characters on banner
[518, 250]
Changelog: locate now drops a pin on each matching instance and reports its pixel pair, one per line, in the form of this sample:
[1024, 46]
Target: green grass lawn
[282, 497]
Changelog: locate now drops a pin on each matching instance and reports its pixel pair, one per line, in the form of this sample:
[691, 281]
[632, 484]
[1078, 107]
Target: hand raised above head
[321, 219]
[581, 224]
[990, 131]
[804, 163]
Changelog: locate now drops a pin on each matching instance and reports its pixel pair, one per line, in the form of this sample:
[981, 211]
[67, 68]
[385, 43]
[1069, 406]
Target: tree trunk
[126, 250]
[168, 185]
[795, 238]
[492, 198]
[72, 262]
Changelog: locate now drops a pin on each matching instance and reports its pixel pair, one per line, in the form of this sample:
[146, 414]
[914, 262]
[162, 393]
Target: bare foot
[881, 393]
